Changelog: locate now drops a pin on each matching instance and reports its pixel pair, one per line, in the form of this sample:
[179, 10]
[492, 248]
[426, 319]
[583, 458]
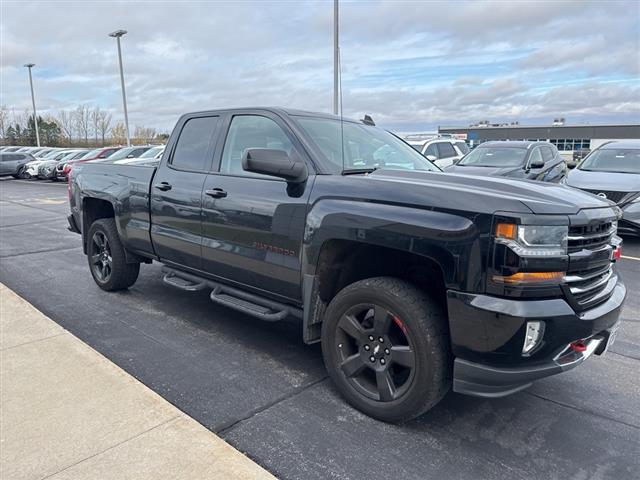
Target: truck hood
[605, 181]
[485, 171]
[491, 193]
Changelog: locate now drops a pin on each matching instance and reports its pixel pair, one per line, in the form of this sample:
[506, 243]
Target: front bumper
[487, 335]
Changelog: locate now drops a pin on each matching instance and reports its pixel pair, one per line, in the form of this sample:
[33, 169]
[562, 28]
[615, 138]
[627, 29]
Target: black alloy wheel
[375, 351]
[101, 259]
[386, 347]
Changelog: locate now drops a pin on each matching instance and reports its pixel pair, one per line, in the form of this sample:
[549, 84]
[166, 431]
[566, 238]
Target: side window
[446, 150]
[535, 156]
[463, 147]
[251, 131]
[431, 150]
[547, 154]
[192, 150]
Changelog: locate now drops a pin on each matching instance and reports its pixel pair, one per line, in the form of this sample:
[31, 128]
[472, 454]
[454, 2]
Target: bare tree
[82, 118]
[119, 133]
[104, 120]
[4, 118]
[95, 123]
[143, 134]
[67, 124]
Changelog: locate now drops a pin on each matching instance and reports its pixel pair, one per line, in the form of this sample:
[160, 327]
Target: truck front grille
[590, 237]
[590, 278]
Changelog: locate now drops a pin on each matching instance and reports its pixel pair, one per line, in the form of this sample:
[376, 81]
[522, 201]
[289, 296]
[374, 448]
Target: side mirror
[535, 164]
[431, 158]
[277, 163]
[571, 164]
[130, 155]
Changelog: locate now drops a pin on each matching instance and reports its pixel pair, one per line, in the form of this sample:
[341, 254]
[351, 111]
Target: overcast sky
[412, 66]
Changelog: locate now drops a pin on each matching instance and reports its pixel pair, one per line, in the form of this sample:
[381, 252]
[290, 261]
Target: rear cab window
[193, 150]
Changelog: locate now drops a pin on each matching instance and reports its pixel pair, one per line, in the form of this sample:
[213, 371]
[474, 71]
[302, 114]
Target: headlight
[533, 240]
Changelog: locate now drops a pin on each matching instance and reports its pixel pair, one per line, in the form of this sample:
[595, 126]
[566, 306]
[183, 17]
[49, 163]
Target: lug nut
[382, 361]
[386, 351]
[367, 348]
[381, 340]
[372, 358]
[371, 337]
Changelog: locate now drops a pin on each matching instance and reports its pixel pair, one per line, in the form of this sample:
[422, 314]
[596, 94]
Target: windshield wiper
[357, 171]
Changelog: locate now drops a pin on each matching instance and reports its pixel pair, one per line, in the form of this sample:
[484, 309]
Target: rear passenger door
[176, 192]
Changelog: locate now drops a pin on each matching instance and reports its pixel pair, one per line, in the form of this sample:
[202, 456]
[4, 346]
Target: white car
[440, 150]
[31, 168]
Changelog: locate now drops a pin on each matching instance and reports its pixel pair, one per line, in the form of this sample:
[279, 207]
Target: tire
[108, 265]
[19, 174]
[408, 372]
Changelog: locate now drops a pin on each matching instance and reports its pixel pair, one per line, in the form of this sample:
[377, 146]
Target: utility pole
[336, 62]
[33, 102]
[117, 34]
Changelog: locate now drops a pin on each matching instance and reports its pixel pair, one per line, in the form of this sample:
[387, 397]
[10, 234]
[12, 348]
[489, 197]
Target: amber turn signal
[530, 277]
[506, 230]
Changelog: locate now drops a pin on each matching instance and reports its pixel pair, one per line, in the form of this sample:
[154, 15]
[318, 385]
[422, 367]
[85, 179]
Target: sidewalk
[67, 412]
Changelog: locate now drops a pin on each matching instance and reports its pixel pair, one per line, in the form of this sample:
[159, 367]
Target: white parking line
[631, 258]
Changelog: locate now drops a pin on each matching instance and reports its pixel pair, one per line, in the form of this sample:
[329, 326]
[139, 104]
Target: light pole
[117, 34]
[335, 57]
[33, 102]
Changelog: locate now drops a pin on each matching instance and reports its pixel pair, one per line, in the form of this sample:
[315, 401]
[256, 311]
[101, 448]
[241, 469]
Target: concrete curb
[67, 412]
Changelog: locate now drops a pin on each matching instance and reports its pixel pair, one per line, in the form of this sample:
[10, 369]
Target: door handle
[216, 193]
[164, 186]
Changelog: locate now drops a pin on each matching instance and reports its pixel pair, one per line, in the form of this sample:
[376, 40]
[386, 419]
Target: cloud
[415, 64]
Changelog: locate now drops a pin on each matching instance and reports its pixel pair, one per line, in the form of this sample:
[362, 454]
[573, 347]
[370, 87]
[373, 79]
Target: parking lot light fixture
[117, 34]
[33, 102]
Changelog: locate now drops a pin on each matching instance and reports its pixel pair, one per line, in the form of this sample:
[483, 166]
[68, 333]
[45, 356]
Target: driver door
[253, 226]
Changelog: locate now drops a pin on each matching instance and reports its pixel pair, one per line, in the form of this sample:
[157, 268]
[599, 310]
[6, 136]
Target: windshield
[152, 152]
[365, 147]
[123, 153]
[92, 153]
[494, 157]
[612, 160]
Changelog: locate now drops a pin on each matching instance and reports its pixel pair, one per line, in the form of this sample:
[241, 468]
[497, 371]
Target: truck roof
[279, 110]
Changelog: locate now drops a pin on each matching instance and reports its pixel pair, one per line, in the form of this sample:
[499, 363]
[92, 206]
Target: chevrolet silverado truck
[415, 281]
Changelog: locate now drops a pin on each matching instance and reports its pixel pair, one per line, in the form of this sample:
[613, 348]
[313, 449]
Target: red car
[97, 154]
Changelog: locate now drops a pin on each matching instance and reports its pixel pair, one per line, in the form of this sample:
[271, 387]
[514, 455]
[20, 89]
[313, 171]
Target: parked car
[44, 152]
[441, 151]
[31, 168]
[612, 171]
[47, 169]
[154, 153]
[13, 164]
[522, 160]
[579, 154]
[63, 169]
[10, 149]
[129, 152]
[415, 281]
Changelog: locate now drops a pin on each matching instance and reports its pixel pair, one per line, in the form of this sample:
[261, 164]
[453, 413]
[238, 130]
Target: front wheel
[106, 257]
[385, 345]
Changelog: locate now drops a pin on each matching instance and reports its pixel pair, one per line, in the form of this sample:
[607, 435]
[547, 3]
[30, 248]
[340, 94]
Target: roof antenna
[367, 120]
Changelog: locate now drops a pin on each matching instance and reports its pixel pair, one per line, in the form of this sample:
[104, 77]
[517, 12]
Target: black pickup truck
[415, 281]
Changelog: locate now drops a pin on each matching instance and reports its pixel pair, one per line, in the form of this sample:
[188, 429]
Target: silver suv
[442, 151]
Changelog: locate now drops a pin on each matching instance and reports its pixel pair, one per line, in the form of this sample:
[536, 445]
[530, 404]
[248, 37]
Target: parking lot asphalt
[261, 389]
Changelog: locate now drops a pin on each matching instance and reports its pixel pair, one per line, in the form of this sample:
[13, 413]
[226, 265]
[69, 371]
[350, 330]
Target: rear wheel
[106, 257]
[386, 347]
[20, 173]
